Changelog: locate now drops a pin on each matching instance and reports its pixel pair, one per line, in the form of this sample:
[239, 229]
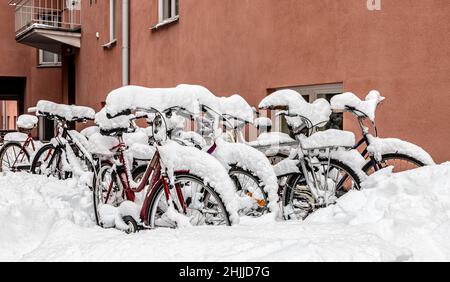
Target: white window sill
[109, 45]
[166, 22]
[49, 65]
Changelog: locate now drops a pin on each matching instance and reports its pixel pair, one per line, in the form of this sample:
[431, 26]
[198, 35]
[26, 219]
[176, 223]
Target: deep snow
[399, 217]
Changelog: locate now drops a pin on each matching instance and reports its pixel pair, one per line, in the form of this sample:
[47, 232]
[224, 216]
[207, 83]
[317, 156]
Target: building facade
[26, 74]
[252, 47]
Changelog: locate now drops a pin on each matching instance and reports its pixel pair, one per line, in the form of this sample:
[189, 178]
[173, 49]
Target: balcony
[48, 24]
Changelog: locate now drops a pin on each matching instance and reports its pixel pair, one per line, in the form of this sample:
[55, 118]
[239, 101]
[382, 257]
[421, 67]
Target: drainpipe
[125, 42]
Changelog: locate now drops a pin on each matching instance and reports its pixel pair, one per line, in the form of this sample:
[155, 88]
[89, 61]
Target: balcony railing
[50, 14]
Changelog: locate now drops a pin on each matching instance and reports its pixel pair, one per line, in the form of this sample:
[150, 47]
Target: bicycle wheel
[13, 158]
[108, 190]
[298, 199]
[203, 204]
[400, 162]
[86, 164]
[250, 190]
[138, 173]
[48, 162]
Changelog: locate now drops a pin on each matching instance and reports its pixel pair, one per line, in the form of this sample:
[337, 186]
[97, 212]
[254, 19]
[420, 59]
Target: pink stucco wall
[248, 47]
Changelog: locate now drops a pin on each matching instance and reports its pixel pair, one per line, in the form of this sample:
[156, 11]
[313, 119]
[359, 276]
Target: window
[313, 92]
[168, 10]
[112, 24]
[51, 18]
[47, 58]
[112, 20]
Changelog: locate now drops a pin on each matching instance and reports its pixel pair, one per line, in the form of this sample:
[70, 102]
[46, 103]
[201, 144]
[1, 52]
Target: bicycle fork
[314, 178]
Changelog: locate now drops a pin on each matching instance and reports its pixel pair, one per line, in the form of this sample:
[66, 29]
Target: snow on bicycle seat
[272, 139]
[89, 131]
[133, 97]
[328, 138]
[367, 107]
[113, 126]
[237, 108]
[317, 112]
[27, 121]
[66, 112]
[262, 122]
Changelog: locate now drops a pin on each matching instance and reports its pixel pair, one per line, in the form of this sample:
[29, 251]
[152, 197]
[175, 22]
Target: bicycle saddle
[115, 132]
[27, 122]
[65, 112]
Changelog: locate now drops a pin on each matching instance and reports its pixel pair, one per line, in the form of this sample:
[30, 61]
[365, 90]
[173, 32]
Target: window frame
[55, 63]
[311, 93]
[112, 20]
[112, 24]
[174, 14]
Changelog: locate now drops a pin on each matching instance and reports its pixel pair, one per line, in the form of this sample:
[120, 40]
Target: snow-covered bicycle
[321, 164]
[379, 152]
[255, 181]
[20, 146]
[180, 186]
[66, 155]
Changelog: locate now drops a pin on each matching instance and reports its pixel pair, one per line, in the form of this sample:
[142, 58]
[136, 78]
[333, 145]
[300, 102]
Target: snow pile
[409, 210]
[107, 124]
[272, 143]
[188, 97]
[262, 122]
[283, 98]
[138, 145]
[31, 206]
[236, 107]
[69, 113]
[111, 216]
[101, 145]
[317, 112]
[15, 137]
[21, 138]
[250, 159]
[79, 138]
[367, 107]
[272, 138]
[328, 138]
[89, 131]
[351, 158]
[399, 217]
[176, 157]
[193, 138]
[382, 146]
[286, 166]
[27, 121]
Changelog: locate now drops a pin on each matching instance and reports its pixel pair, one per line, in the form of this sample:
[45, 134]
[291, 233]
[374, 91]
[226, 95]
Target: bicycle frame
[153, 173]
[23, 149]
[62, 137]
[365, 141]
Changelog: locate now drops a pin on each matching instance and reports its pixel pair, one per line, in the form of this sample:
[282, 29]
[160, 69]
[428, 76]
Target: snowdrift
[398, 217]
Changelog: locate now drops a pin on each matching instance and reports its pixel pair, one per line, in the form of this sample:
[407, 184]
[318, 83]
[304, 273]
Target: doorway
[12, 92]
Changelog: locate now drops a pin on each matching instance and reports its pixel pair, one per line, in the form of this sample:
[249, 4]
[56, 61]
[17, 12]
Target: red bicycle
[16, 151]
[168, 198]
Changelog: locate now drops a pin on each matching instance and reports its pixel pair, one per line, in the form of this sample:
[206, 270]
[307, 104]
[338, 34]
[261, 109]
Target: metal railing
[59, 14]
